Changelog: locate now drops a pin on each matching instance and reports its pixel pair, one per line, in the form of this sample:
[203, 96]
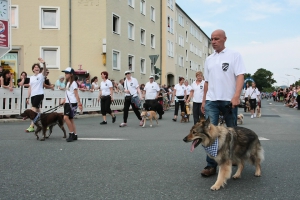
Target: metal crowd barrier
[14, 103]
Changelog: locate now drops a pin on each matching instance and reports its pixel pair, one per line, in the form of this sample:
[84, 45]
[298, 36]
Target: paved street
[109, 162]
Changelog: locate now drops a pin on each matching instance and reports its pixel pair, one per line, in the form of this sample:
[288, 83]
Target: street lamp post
[292, 76]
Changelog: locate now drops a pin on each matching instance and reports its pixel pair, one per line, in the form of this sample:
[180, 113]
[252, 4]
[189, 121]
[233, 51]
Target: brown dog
[151, 115]
[184, 117]
[44, 121]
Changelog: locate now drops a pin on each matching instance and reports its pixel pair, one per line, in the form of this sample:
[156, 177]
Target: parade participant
[188, 88]
[224, 78]
[71, 102]
[197, 89]
[179, 95]
[106, 96]
[132, 90]
[254, 95]
[36, 88]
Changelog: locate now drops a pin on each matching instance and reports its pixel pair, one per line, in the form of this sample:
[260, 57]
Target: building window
[116, 24]
[14, 16]
[186, 55]
[52, 56]
[143, 7]
[170, 25]
[181, 41]
[180, 61]
[116, 60]
[130, 31]
[170, 48]
[131, 3]
[186, 36]
[143, 33]
[49, 18]
[152, 41]
[152, 14]
[131, 63]
[143, 66]
[180, 20]
[170, 4]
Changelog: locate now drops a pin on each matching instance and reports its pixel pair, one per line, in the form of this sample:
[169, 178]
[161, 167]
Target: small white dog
[240, 119]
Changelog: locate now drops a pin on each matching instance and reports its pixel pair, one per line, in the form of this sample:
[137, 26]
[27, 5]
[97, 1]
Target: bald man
[224, 78]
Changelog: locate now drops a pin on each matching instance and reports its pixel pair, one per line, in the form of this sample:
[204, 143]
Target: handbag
[134, 100]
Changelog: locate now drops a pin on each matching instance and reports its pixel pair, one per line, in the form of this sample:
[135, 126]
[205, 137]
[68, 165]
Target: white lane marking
[102, 139]
[262, 138]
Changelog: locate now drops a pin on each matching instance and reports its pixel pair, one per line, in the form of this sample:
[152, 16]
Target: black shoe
[71, 137]
[104, 122]
[114, 119]
[160, 117]
[174, 120]
[75, 137]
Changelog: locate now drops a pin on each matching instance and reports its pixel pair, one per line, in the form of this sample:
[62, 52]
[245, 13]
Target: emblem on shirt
[183, 88]
[105, 84]
[131, 84]
[152, 86]
[225, 66]
[201, 87]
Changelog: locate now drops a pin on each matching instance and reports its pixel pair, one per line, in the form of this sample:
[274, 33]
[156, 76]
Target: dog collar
[213, 149]
[36, 117]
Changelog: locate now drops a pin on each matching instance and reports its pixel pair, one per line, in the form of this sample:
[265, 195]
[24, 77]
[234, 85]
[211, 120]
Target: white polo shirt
[36, 84]
[188, 89]
[105, 87]
[132, 86]
[198, 91]
[221, 70]
[180, 89]
[151, 90]
[70, 92]
[254, 93]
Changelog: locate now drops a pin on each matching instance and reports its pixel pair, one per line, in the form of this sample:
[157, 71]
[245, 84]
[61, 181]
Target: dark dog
[44, 121]
[234, 145]
[154, 106]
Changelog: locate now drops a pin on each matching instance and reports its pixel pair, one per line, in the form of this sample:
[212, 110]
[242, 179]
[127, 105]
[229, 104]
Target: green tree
[247, 75]
[263, 79]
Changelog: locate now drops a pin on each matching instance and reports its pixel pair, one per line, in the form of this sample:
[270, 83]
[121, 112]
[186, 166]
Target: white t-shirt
[105, 87]
[198, 91]
[188, 89]
[95, 85]
[36, 84]
[151, 90]
[254, 93]
[132, 86]
[70, 92]
[180, 89]
[221, 71]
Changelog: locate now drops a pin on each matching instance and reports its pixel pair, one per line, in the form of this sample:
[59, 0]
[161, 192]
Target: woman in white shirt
[254, 94]
[36, 89]
[106, 96]
[197, 90]
[71, 102]
[95, 85]
[179, 95]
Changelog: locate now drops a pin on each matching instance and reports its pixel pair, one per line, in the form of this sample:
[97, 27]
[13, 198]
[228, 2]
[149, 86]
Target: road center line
[102, 139]
[262, 138]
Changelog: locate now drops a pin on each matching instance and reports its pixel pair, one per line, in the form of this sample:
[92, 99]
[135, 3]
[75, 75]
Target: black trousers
[197, 112]
[253, 104]
[182, 106]
[105, 105]
[245, 107]
[127, 104]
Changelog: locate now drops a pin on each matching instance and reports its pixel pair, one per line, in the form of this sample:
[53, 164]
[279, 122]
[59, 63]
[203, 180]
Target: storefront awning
[78, 72]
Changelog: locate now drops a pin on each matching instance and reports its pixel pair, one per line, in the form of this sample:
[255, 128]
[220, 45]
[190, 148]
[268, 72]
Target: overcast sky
[265, 32]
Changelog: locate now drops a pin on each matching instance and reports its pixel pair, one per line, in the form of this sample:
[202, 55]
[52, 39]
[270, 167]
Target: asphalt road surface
[109, 162]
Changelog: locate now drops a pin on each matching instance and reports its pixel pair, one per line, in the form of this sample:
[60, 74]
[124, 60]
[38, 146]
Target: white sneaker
[251, 116]
[254, 115]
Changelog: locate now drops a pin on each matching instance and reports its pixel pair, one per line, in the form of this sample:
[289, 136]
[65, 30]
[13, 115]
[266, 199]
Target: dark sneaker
[208, 171]
[114, 119]
[104, 122]
[75, 137]
[71, 137]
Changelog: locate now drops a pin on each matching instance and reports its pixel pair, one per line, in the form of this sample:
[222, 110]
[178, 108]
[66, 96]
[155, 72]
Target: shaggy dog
[227, 146]
[240, 119]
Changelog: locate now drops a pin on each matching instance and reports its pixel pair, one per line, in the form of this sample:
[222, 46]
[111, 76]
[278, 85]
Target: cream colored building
[96, 36]
[107, 35]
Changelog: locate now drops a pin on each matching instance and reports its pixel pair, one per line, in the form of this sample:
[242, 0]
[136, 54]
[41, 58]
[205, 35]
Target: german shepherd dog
[235, 145]
[44, 121]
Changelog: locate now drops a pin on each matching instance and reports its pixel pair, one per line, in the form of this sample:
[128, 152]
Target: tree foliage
[263, 79]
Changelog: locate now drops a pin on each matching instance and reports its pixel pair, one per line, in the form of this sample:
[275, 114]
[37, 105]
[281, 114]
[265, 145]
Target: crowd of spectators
[290, 96]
